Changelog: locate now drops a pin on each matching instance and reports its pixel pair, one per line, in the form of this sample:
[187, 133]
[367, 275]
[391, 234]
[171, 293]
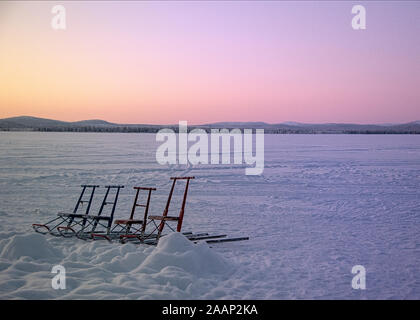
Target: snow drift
[176, 268]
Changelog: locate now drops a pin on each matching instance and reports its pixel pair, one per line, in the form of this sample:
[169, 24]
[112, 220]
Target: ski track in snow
[323, 204]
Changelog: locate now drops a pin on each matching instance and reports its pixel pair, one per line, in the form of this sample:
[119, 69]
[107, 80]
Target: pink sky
[161, 62]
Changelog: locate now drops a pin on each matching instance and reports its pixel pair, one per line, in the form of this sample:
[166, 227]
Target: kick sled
[101, 226]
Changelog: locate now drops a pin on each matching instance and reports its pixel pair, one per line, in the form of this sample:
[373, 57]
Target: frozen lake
[323, 204]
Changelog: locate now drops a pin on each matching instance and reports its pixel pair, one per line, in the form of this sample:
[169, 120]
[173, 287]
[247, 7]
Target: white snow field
[323, 204]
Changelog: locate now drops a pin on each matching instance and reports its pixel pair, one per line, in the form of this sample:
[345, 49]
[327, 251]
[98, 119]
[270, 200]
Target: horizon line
[288, 122]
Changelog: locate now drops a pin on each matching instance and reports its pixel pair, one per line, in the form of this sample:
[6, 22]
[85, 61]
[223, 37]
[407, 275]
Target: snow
[323, 204]
[176, 268]
[34, 246]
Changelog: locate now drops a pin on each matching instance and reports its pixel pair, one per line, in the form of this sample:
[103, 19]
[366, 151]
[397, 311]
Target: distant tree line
[154, 129]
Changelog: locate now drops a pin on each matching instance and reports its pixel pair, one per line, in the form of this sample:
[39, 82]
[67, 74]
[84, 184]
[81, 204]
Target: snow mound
[175, 269]
[29, 245]
[175, 250]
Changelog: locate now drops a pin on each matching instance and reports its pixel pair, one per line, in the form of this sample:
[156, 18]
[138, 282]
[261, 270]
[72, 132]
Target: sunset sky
[161, 62]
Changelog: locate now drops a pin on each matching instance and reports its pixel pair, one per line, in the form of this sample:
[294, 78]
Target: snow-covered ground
[324, 204]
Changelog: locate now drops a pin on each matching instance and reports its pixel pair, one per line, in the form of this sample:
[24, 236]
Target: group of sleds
[87, 226]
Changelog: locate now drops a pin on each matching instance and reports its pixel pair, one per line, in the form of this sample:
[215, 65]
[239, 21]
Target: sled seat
[93, 217]
[164, 218]
[128, 221]
[71, 215]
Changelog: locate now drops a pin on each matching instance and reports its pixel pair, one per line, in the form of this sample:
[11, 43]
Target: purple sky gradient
[160, 62]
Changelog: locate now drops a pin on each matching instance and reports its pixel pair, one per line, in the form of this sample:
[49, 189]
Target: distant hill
[236, 124]
[30, 122]
[93, 123]
[26, 123]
